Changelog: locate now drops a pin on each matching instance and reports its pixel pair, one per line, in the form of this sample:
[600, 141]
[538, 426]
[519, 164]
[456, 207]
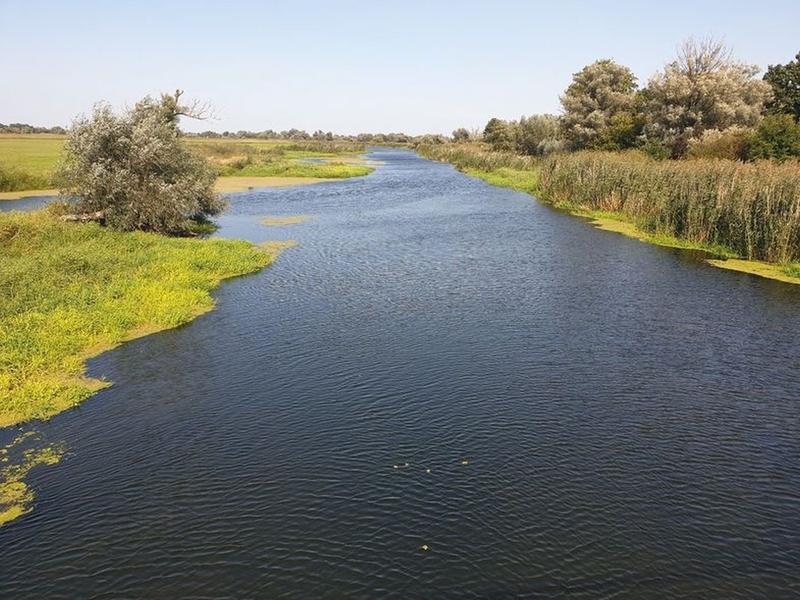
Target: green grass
[27, 162]
[517, 179]
[328, 170]
[70, 291]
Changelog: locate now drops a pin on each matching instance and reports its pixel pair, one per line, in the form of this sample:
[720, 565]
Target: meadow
[71, 291]
[28, 162]
[733, 210]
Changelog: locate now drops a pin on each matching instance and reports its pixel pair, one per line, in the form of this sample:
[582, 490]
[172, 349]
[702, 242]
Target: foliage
[731, 144]
[704, 88]
[499, 134]
[461, 135]
[777, 137]
[601, 96]
[134, 168]
[785, 83]
[69, 291]
[538, 135]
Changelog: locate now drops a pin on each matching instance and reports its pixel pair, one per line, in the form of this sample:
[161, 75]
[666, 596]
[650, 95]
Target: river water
[628, 416]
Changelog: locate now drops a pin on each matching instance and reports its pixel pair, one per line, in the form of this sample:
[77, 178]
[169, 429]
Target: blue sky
[352, 66]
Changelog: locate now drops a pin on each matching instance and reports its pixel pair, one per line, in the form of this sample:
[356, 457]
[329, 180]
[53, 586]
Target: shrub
[538, 134]
[777, 137]
[732, 144]
[135, 171]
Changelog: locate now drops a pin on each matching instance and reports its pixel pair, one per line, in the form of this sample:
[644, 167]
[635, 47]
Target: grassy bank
[749, 212]
[27, 162]
[69, 292]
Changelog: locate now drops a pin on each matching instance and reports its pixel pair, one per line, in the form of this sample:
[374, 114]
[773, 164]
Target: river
[583, 416]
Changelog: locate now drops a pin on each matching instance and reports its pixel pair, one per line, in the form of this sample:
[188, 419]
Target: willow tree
[132, 170]
[600, 98]
[703, 88]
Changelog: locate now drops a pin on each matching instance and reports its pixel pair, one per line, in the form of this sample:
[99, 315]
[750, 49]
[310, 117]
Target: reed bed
[751, 208]
[477, 156]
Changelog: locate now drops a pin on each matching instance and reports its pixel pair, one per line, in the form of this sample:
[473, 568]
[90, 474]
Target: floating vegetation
[16, 497]
[285, 220]
[424, 547]
[401, 466]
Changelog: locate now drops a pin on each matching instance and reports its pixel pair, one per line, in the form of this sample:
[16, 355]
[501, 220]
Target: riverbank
[69, 292]
[711, 206]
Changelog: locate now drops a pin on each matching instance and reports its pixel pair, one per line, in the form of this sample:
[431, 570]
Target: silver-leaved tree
[133, 172]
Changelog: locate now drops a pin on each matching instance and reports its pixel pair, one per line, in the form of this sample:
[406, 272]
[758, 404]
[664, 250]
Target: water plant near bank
[730, 208]
[71, 291]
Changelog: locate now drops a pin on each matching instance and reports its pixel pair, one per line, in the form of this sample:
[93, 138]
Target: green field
[27, 162]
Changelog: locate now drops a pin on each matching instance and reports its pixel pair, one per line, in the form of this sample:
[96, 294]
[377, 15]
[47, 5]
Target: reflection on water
[582, 415]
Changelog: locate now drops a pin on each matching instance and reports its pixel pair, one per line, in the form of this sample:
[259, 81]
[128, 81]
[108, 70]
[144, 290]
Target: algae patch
[275, 247]
[277, 221]
[16, 496]
[755, 267]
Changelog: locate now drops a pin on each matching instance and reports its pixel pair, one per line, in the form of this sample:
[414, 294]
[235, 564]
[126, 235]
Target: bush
[135, 170]
[732, 144]
[777, 137]
[538, 134]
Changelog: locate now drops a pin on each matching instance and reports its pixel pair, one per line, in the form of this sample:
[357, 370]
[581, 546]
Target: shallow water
[629, 416]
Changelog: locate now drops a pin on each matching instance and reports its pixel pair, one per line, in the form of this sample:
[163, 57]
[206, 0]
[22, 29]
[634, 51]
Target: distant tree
[461, 134]
[601, 95]
[785, 82]
[704, 88]
[500, 135]
[538, 134]
[777, 137]
[134, 170]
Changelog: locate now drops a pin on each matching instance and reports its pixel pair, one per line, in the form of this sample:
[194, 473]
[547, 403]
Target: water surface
[629, 416]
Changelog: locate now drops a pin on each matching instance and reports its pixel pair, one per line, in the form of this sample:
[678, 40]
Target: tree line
[20, 128]
[703, 104]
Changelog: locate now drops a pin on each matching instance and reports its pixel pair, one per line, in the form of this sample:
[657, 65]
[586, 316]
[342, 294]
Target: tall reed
[753, 209]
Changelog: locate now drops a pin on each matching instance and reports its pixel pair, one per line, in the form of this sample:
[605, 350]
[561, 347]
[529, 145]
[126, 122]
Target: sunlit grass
[71, 291]
[28, 161]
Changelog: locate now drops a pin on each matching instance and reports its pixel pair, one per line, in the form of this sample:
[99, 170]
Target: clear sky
[352, 67]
